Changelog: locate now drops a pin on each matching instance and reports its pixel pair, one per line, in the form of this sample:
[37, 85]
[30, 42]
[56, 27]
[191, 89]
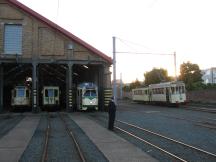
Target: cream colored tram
[168, 92]
[140, 94]
[51, 95]
[20, 96]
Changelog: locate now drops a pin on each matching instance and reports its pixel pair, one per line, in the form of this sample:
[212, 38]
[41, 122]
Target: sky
[187, 27]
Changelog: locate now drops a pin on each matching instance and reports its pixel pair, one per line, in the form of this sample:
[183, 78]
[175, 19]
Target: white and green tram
[87, 96]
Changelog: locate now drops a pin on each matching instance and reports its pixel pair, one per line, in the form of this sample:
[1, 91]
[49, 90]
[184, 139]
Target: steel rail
[44, 156]
[82, 157]
[203, 109]
[168, 138]
[157, 147]
[199, 122]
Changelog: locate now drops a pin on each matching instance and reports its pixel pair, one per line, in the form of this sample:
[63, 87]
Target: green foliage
[135, 84]
[156, 76]
[126, 88]
[211, 86]
[191, 75]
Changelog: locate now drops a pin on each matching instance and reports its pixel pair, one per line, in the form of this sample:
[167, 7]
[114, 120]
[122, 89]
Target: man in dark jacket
[112, 111]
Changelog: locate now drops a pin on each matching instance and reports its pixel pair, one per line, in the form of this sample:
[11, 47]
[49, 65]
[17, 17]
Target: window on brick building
[13, 39]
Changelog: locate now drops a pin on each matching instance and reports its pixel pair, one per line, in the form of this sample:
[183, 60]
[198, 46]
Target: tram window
[135, 92]
[93, 93]
[56, 93]
[87, 93]
[161, 90]
[20, 92]
[177, 89]
[173, 90]
[50, 92]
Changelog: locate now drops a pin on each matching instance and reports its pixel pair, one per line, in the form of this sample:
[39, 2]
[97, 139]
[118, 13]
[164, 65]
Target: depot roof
[60, 29]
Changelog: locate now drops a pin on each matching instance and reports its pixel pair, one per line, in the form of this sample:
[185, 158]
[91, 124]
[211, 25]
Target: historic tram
[51, 96]
[20, 96]
[171, 93]
[87, 96]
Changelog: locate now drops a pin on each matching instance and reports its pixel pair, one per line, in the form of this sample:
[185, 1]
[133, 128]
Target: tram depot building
[37, 52]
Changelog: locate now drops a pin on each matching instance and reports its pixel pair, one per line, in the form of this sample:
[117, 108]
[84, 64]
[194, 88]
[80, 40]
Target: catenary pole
[175, 65]
[114, 70]
[121, 86]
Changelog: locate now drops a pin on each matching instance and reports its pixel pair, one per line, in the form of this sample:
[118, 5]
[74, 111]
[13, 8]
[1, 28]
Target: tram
[20, 96]
[51, 96]
[87, 96]
[171, 93]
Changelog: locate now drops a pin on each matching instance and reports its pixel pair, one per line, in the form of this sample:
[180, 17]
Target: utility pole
[175, 65]
[121, 86]
[114, 71]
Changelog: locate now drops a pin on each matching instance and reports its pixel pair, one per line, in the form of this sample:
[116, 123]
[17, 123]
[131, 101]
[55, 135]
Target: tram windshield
[91, 93]
[20, 92]
[49, 93]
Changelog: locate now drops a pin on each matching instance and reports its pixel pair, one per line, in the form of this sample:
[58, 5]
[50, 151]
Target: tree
[156, 76]
[191, 75]
[135, 84]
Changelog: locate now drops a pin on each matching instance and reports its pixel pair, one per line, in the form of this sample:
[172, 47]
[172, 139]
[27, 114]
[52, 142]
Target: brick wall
[208, 95]
[38, 38]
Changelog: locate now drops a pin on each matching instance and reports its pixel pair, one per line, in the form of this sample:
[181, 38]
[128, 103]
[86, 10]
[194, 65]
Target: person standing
[112, 112]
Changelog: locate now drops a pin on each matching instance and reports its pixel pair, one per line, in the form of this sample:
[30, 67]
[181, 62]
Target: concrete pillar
[1, 87]
[35, 107]
[101, 88]
[69, 88]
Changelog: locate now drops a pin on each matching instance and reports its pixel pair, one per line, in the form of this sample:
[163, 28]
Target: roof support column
[69, 88]
[1, 87]
[101, 88]
[35, 107]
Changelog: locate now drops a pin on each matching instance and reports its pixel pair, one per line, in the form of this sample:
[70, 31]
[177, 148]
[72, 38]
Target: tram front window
[93, 93]
[21, 92]
[87, 93]
[90, 93]
[49, 93]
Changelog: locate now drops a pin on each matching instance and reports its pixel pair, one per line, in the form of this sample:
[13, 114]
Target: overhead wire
[135, 51]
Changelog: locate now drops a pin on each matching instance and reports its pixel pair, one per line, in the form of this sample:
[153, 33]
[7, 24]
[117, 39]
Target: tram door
[167, 95]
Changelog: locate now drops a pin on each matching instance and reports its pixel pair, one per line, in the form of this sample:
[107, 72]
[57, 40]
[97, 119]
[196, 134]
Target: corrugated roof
[60, 29]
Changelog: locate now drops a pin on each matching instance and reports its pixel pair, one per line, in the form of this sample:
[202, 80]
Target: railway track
[181, 151]
[207, 123]
[45, 155]
[173, 149]
[70, 133]
[202, 108]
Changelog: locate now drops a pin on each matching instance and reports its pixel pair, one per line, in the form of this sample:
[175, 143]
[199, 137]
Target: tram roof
[59, 29]
[165, 84]
[87, 85]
